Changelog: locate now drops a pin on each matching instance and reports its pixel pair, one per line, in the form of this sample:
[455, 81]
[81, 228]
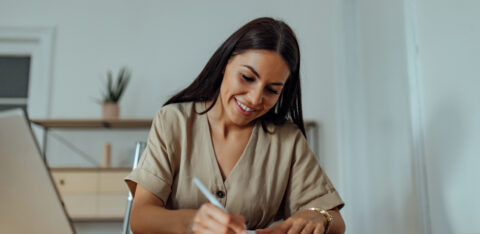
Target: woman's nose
[256, 96]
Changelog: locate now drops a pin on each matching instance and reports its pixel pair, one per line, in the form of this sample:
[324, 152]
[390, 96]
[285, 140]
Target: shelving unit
[91, 193]
[48, 124]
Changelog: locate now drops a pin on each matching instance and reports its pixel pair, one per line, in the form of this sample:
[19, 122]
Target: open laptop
[29, 201]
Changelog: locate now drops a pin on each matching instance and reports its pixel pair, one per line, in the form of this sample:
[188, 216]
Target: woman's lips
[243, 109]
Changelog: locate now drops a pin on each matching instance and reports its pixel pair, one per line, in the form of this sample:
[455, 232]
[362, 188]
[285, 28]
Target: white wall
[449, 52]
[379, 181]
[166, 44]
[355, 67]
[407, 61]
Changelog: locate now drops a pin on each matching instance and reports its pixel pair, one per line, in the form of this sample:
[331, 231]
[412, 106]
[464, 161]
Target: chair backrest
[139, 148]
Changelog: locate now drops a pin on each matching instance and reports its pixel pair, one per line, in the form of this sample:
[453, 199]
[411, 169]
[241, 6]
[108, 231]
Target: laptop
[29, 201]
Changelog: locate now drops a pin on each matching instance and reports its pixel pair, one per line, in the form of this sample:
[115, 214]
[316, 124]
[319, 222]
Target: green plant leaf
[115, 89]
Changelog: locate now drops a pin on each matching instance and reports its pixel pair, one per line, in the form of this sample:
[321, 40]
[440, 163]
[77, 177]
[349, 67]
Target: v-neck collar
[246, 153]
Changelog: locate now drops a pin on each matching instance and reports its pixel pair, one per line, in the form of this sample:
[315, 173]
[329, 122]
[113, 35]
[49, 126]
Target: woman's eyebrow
[252, 69]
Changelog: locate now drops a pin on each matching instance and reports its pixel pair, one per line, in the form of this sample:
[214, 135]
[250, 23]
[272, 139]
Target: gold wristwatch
[326, 215]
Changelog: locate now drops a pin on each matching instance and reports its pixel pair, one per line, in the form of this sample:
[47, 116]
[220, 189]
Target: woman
[238, 128]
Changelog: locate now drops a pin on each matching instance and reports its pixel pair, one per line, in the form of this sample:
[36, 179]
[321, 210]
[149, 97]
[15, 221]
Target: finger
[281, 227]
[319, 229]
[216, 213]
[236, 224]
[297, 226]
[202, 221]
[232, 223]
[203, 230]
[240, 220]
[285, 225]
[211, 224]
[198, 228]
[196, 224]
[309, 227]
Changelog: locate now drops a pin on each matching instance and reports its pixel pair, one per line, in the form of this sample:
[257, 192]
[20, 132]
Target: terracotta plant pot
[110, 110]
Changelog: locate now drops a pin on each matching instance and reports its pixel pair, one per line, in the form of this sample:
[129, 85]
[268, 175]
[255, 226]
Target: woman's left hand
[304, 222]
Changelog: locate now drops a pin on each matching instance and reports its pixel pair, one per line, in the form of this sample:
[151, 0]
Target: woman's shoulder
[282, 132]
[177, 111]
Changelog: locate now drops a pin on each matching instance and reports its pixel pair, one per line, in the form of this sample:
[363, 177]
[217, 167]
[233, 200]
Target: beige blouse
[276, 176]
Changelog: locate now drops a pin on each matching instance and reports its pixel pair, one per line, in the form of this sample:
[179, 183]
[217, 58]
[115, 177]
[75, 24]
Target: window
[14, 80]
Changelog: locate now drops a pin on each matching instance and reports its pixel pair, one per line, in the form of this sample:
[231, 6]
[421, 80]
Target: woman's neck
[220, 123]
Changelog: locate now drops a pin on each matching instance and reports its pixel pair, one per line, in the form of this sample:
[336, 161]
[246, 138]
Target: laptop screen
[29, 202]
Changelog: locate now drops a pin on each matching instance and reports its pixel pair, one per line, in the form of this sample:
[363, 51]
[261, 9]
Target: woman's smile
[243, 109]
[251, 85]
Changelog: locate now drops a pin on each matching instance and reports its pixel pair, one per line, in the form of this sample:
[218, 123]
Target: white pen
[207, 193]
[210, 197]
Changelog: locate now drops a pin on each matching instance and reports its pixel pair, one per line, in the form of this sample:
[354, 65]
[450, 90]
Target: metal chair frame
[139, 148]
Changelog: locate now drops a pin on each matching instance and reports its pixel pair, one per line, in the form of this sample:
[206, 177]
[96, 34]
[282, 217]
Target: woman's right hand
[211, 219]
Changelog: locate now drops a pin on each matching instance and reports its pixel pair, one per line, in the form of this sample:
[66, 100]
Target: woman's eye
[245, 77]
[272, 91]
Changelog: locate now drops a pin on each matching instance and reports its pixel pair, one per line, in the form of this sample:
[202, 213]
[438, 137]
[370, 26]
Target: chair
[139, 148]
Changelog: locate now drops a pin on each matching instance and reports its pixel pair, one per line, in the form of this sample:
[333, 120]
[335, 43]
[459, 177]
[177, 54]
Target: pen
[210, 197]
[207, 194]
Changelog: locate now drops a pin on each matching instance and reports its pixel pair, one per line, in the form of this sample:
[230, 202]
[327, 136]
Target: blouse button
[220, 194]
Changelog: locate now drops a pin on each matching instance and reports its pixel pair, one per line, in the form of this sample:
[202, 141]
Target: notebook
[29, 201]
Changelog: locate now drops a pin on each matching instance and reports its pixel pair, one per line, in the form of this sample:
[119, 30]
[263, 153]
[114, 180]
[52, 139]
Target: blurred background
[392, 85]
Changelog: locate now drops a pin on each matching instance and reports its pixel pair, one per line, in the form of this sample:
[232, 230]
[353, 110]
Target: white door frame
[345, 60]
[38, 43]
[417, 117]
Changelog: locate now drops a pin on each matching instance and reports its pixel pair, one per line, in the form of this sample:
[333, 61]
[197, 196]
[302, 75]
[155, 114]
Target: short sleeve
[308, 185]
[155, 169]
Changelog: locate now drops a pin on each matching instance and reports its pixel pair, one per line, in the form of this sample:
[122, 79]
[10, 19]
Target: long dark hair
[262, 33]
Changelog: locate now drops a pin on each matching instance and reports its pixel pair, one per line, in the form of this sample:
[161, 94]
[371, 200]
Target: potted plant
[113, 93]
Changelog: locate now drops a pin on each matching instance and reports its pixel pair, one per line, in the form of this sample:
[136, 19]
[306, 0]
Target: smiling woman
[238, 128]
[260, 34]
[245, 95]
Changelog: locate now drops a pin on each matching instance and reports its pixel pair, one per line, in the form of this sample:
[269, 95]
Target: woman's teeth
[245, 108]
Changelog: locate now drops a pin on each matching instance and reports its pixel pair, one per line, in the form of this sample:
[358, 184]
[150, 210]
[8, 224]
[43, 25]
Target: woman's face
[252, 84]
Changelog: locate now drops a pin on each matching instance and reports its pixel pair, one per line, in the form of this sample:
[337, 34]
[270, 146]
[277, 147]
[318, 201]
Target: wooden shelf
[93, 123]
[105, 123]
[70, 169]
[97, 219]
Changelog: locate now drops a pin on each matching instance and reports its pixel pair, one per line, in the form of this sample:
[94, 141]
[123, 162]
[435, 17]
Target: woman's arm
[338, 225]
[149, 216]
[308, 221]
